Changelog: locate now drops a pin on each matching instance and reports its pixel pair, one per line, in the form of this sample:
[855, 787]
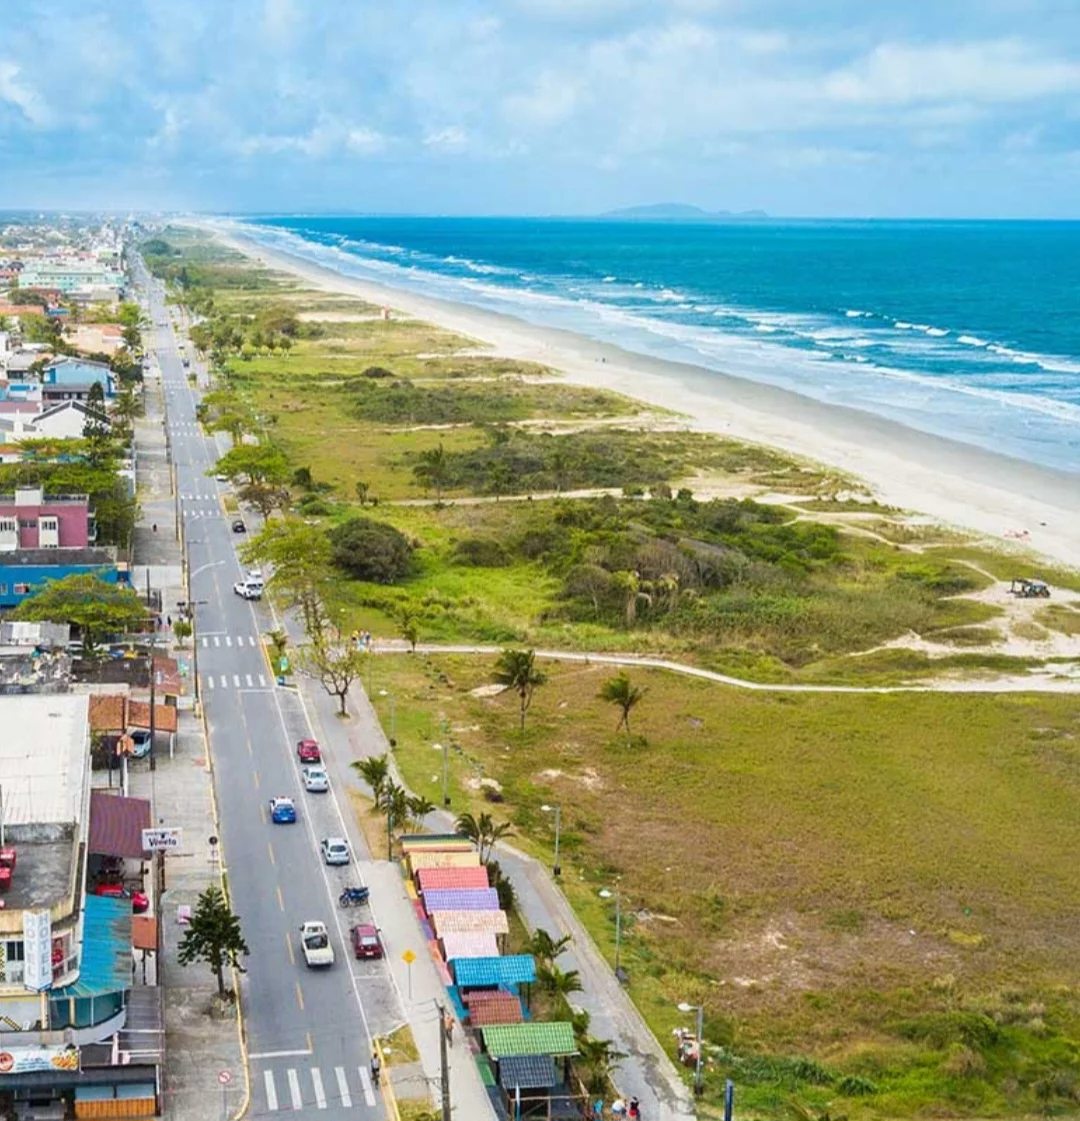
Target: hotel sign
[37, 950]
[162, 840]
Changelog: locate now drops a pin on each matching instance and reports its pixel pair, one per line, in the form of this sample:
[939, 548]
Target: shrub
[370, 550]
[377, 372]
[481, 552]
[963, 1062]
[940, 1029]
[855, 1086]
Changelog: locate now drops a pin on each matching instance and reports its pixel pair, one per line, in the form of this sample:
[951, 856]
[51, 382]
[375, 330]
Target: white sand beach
[953, 482]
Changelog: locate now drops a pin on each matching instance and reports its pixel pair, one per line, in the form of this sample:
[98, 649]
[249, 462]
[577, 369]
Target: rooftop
[44, 758]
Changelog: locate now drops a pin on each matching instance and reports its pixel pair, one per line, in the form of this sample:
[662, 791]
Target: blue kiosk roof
[105, 966]
[478, 973]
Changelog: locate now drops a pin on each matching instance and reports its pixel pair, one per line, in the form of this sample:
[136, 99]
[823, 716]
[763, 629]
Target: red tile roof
[108, 713]
[503, 1009]
[138, 716]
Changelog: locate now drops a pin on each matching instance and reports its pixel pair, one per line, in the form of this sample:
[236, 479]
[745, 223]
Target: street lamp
[393, 721]
[556, 870]
[700, 1009]
[606, 894]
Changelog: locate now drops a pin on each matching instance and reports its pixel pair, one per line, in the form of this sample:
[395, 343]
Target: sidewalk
[646, 1072]
[197, 1046]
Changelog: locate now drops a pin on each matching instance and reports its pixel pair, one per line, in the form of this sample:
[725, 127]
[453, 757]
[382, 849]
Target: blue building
[70, 379]
[24, 571]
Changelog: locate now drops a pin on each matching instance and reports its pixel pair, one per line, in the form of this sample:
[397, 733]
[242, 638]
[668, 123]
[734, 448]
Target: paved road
[308, 1033]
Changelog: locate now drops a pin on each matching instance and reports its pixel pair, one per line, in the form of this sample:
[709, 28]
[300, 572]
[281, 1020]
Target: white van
[249, 589]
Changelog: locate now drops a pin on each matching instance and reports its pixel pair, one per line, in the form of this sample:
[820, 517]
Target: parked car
[140, 902]
[141, 742]
[335, 850]
[308, 751]
[365, 941]
[249, 589]
[238, 526]
[315, 943]
[282, 811]
[316, 780]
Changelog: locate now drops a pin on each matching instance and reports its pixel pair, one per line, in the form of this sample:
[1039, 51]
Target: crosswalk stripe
[262, 681]
[320, 1094]
[249, 681]
[205, 643]
[224, 682]
[365, 1082]
[294, 1089]
[228, 640]
[343, 1087]
[236, 680]
[271, 1090]
[217, 641]
[209, 681]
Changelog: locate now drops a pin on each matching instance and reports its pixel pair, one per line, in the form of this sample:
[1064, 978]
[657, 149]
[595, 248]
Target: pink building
[31, 520]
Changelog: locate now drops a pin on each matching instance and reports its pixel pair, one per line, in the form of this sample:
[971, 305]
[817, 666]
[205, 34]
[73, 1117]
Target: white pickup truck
[315, 942]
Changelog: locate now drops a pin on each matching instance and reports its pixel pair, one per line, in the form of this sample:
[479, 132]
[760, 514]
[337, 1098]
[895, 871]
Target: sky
[883, 108]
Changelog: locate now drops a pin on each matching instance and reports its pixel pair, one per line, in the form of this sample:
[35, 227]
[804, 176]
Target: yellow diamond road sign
[408, 957]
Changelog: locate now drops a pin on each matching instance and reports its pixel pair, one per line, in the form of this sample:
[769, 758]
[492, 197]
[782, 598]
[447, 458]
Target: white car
[254, 575]
[316, 780]
[335, 850]
[248, 589]
[315, 942]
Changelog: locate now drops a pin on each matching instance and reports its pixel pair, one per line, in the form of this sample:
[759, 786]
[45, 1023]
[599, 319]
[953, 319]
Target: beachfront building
[73, 278]
[68, 995]
[30, 519]
[70, 379]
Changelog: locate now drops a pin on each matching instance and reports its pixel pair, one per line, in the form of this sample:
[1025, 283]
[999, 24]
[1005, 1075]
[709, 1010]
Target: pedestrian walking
[634, 1112]
[448, 1027]
[376, 1067]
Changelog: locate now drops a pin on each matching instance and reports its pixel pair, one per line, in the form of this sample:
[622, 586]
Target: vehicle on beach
[282, 811]
[249, 589]
[316, 780]
[365, 941]
[335, 850]
[308, 751]
[1029, 589]
[315, 944]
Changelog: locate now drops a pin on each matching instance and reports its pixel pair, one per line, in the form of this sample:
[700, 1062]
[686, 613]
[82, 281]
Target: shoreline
[956, 483]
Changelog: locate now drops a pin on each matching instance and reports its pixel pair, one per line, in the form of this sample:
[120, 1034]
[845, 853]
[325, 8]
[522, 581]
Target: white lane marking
[236, 680]
[271, 1090]
[209, 681]
[224, 682]
[365, 1081]
[278, 1054]
[217, 641]
[294, 1089]
[320, 1094]
[343, 1087]
[262, 680]
[205, 643]
[228, 640]
[249, 681]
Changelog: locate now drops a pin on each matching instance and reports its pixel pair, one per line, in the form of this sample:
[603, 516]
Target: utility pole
[444, 1062]
[153, 687]
[618, 928]
[389, 831]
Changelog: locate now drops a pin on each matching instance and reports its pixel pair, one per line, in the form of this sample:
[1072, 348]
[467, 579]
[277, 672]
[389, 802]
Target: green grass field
[883, 885]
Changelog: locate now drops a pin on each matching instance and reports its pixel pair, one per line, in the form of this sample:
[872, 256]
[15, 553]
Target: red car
[139, 901]
[308, 750]
[365, 941]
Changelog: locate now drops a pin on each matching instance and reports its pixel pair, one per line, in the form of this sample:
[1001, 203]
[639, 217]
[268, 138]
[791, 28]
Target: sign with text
[28, 1060]
[37, 950]
[162, 840]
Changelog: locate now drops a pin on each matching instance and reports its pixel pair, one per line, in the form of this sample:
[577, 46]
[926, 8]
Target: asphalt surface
[308, 1033]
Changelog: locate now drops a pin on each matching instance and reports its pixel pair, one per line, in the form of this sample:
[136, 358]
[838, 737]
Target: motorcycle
[353, 897]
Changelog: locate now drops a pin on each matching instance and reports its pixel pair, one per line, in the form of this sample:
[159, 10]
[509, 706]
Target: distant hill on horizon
[678, 212]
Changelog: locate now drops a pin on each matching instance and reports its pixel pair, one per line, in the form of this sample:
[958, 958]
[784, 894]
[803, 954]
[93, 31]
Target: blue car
[282, 811]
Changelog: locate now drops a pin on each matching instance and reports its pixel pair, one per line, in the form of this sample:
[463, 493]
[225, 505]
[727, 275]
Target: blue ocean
[969, 330]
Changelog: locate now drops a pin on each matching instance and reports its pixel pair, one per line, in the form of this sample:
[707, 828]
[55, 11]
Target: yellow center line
[280, 899]
[299, 996]
[270, 850]
[309, 1044]
[292, 961]
[255, 776]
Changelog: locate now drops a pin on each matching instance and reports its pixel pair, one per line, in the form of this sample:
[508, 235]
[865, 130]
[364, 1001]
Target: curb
[386, 1084]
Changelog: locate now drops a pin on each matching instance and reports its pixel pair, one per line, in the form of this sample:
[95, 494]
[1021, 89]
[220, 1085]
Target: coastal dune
[955, 483]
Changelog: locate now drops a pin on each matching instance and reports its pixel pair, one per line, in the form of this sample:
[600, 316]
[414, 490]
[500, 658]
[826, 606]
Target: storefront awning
[116, 824]
[106, 950]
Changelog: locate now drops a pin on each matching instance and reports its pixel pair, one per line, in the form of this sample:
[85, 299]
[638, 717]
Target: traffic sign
[162, 840]
[408, 957]
[224, 1077]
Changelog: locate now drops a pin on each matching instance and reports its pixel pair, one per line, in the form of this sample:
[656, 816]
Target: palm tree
[630, 585]
[557, 982]
[516, 669]
[482, 831]
[433, 470]
[499, 479]
[419, 808]
[618, 691]
[545, 948]
[600, 1058]
[375, 771]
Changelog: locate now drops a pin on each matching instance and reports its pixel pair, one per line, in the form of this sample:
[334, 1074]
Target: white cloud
[365, 141]
[15, 91]
[453, 138]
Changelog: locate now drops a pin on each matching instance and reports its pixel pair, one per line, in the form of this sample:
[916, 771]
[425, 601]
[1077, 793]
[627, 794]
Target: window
[8, 525]
[11, 962]
[28, 523]
[20, 589]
